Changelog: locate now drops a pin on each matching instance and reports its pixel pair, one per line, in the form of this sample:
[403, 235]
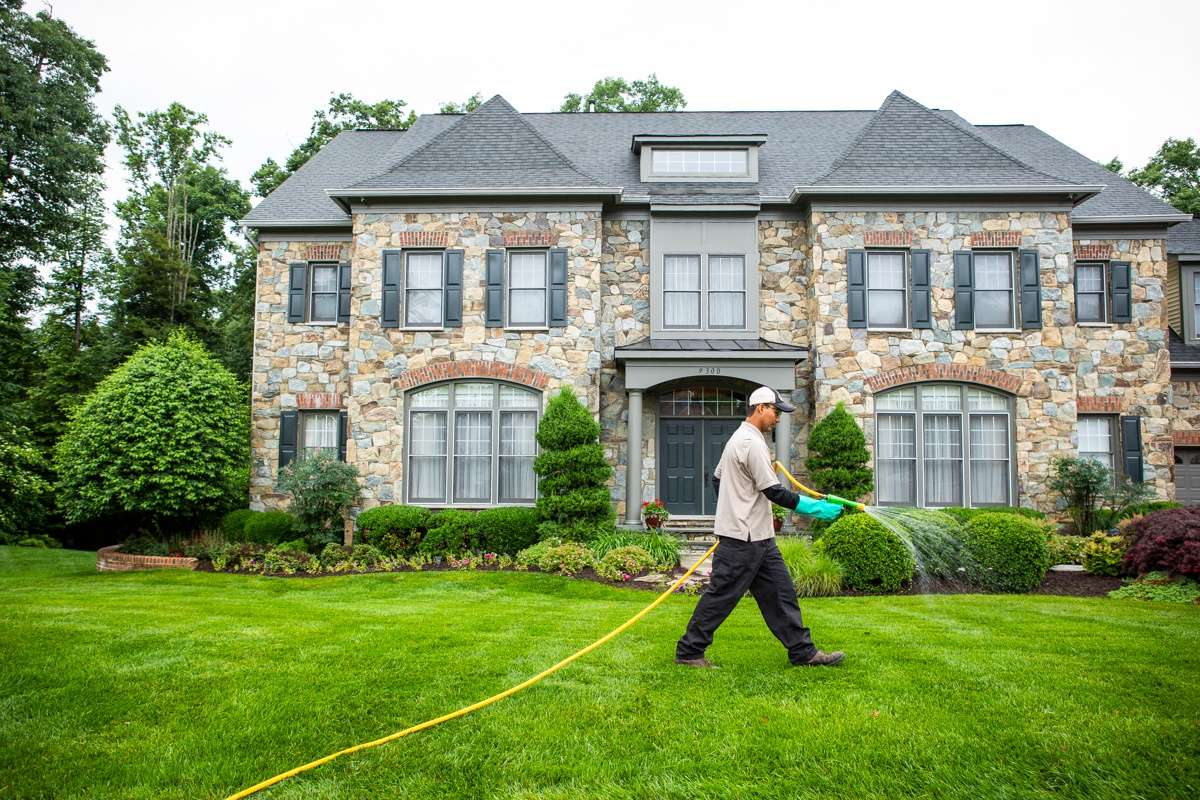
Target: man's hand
[820, 509]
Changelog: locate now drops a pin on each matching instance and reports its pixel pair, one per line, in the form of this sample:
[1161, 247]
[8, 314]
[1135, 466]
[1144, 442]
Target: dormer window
[699, 158]
[700, 163]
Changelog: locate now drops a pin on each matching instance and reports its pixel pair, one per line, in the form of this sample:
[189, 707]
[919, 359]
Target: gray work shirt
[743, 512]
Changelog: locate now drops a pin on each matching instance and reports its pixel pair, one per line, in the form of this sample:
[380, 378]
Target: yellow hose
[829, 497]
[482, 703]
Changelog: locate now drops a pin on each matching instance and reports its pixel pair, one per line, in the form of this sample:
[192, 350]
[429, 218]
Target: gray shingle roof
[1184, 238]
[1182, 353]
[499, 147]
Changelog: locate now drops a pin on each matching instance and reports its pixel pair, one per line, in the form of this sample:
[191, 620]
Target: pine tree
[838, 457]
[573, 496]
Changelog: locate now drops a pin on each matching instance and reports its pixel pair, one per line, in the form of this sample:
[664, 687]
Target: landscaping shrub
[934, 538]
[396, 530]
[965, 515]
[1142, 509]
[161, 441]
[1066, 549]
[335, 557]
[838, 461]
[1102, 554]
[322, 489]
[624, 561]
[239, 557]
[270, 527]
[366, 556]
[143, 545]
[284, 559]
[233, 524]
[451, 532]
[568, 558]
[530, 556]
[813, 573]
[1161, 587]
[874, 559]
[507, 530]
[664, 547]
[42, 540]
[1094, 500]
[1165, 540]
[25, 493]
[573, 496]
[295, 545]
[1005, 552]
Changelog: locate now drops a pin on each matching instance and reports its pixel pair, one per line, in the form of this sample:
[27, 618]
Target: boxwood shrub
[396, 530]
[1005, 552]
[270, 527]
[965, 515]
[233, 524]
[452, 532]
[874, 558]
[507, 530]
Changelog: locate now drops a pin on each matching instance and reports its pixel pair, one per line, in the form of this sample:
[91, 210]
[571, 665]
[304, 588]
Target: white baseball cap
[765, 394]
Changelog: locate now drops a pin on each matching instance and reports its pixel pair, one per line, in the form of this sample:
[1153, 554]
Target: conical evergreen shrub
[574, 502]
[838, 458]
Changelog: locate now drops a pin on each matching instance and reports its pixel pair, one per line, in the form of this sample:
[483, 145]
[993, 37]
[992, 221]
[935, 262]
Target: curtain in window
[527, 281]
[423, 289]
[896, 482]
[427, 455]
[473, 455]
[989, 459]
[727, 291]
[887, 290]
[320, 433]
[1096, 440]
[993, 290]
[681, 291]
[324, 293]
[518, 446]
[943, 459]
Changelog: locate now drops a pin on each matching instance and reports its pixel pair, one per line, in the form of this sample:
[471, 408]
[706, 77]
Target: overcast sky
[1106, 78]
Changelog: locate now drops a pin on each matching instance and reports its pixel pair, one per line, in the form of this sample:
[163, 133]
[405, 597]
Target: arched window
[472, 442]
[943, 444]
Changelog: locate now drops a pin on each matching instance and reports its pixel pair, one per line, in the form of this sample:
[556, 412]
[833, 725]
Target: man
[747, 557]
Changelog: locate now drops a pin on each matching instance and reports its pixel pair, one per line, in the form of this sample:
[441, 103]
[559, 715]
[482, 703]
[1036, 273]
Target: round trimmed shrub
[507, 530]
[233, 524]
[621, 561]
[396, 530]
[874, 558]
[270, 527]
[1005, 552]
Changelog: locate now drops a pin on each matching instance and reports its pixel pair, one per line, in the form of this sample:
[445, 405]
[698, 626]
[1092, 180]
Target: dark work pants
[758, 567]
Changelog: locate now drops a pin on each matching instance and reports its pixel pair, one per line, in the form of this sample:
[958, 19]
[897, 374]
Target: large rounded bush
[233, 524]
[396, 530]
[874, 558]
[1005, 552]
[163, 441]
[270, 527]
[507, 530]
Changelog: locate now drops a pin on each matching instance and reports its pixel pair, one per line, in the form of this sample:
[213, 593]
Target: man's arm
[780, 496]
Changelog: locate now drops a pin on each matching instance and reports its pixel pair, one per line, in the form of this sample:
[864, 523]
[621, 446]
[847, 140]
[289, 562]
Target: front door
[689, 452]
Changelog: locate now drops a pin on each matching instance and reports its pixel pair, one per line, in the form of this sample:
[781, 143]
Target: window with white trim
[472, 442]
[994, 301]
[323, 293]
[887, 290]
[943, 445]
[681, 291]
[318, 433]
[700, 162]
[527, 289]
[1091, 292]
[1097, 439]
[423, 301]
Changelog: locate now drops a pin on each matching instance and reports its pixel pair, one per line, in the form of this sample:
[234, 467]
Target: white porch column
[633, 460]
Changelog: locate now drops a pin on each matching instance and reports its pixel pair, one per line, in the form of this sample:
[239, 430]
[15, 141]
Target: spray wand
[829, 498]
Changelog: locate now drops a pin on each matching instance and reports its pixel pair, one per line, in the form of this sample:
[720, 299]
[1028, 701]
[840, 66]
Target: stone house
[982, 298]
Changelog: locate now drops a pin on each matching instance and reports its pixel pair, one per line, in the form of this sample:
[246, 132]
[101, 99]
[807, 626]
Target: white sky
[1107, 78]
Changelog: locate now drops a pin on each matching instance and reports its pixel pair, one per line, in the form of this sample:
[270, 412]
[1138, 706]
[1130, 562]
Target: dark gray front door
[690, 451]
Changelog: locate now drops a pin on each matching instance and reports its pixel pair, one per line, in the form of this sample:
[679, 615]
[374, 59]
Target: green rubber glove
[820, 509]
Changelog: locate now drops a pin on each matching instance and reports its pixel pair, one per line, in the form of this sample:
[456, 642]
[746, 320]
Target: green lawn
[192, 685]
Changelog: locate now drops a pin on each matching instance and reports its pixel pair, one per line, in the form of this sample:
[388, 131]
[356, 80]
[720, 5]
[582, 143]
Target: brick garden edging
[109, 560]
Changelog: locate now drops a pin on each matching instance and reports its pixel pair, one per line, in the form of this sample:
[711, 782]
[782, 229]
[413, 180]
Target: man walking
[747, 557]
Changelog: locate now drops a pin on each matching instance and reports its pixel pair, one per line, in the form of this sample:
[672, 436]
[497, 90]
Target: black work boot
[822, 659]
[702, 663]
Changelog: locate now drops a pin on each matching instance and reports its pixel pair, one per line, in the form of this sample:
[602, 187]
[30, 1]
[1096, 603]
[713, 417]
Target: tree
[838, 457]
[573, 495]
[75, 256]
[24, 490]
[1173, 173]
[465, 107]
[1114, 165]
[162, 442]
[345, 112]
[617, 94]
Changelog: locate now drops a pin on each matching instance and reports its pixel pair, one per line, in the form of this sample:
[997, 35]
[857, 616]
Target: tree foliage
[161, 442]
[344, 112]
[573, 495]
[1173, 173]
[618, 94]
[24, 490]
[838, 457]
[465, 107]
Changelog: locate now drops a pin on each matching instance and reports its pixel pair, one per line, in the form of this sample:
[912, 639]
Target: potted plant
[778, 515]
[655, 513]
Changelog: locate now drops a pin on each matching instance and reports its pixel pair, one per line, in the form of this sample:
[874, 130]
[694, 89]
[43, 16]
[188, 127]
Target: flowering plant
[655, 513]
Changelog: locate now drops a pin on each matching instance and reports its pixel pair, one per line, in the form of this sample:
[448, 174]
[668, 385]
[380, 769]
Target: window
[994, 290]
[727, 291]
[472, 442]
[318, 433]
[1091, 293]
[733, 162]
[323, 298]
[704, 278]
[527, 289]
[681, 291]
[887, 290]
[1096, 440]
[919, 446]
[1189, 275]
[423, 289]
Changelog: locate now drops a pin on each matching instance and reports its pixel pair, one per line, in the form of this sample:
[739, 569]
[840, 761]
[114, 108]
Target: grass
[195, 685]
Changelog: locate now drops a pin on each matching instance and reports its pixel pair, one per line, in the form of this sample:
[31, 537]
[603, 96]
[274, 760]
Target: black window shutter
[343, 292]
[1131, 447]
[1031, 290]
[964, 290]
[453, 261]
[297, 289]
[920, 297]
[558, 286]
[343, 431]
[1122, 299]
[856, 288]
[391, 290]
[495, 289]
[287, 437]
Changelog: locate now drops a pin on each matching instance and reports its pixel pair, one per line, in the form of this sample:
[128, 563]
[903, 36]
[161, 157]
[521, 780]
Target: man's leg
[733, 570]
[776, 596]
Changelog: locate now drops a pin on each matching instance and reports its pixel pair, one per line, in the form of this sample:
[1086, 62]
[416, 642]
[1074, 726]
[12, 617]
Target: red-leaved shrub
[1165, 540]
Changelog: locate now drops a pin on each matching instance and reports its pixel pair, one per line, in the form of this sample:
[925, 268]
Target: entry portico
[659, 364]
